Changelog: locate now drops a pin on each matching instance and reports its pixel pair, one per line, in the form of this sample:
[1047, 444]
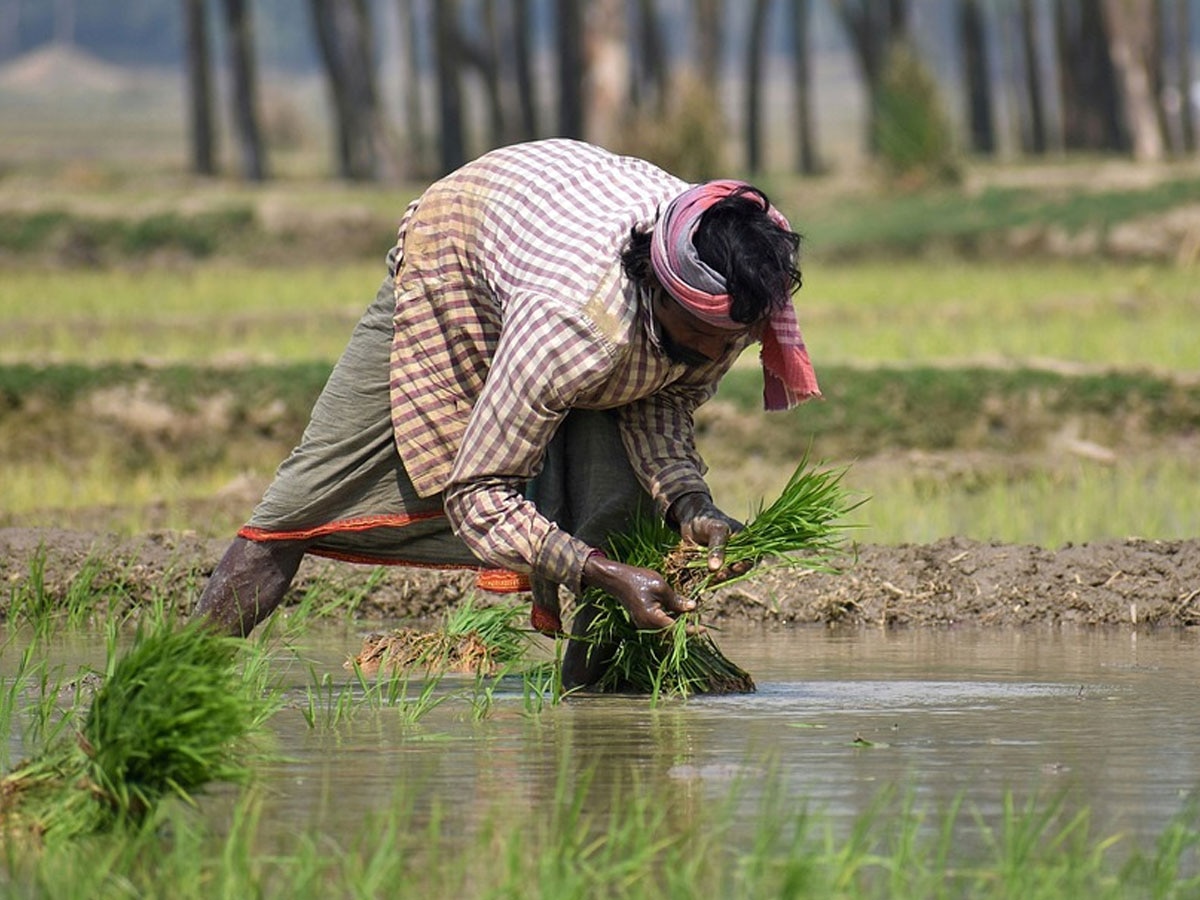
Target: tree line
[1098, 76]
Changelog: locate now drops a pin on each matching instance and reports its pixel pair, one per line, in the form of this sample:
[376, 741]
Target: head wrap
[788, 376]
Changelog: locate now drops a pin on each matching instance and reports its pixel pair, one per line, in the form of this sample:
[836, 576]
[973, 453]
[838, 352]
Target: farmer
[524, 383]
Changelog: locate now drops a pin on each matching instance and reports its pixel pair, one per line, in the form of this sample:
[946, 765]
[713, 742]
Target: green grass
[1013, 411]
[903, 224]
[862, 314]
[218, 314]
[631, 847]
[979, 452]
[1145, 498]
[913, 356]
[1087, 313]
[199, 235]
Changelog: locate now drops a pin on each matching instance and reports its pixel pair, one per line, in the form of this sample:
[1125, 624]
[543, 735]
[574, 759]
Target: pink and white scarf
[788, 376]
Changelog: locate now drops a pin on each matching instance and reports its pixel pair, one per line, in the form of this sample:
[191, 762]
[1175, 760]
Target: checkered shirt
[511, 309]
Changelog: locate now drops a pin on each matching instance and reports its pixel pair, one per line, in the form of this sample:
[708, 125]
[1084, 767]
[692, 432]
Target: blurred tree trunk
[1034, 134]
[873, 26]
[608, 68]
[200, 91]
[1133, 46]
[482, 56]
[494, 85]
[505, 21]
[569, 34]
[653, 71]
[807, 162]
[343, 30]
[523, 62]
[415, 126]
[64, 21]
[1185, 75]
[707, 24]
[242, 69]
[1158, 69]
[973, 38]
[10, 28]
[755, 51]
[1091, 108]
[452, 151]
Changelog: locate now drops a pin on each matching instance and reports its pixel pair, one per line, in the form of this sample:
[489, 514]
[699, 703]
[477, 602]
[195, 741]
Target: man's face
[689, 340]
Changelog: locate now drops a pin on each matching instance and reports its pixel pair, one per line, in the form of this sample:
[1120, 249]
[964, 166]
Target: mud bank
[947, 583]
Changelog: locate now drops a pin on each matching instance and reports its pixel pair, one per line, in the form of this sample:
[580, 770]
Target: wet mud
[950, 582]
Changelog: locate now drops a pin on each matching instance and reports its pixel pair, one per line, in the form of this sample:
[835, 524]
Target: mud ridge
[951, 582]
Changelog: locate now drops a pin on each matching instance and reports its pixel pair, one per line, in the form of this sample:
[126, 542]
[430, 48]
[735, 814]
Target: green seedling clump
[171, 716]
[802, 528]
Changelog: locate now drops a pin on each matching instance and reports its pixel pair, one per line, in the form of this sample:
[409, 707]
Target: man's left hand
[702, 523]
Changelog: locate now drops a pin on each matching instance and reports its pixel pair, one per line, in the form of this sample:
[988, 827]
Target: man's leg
[248, 583]
[584, 662]
[344, 456]
[587, 487]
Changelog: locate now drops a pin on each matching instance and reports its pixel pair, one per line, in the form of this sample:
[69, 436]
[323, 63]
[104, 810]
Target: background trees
[1015, 77]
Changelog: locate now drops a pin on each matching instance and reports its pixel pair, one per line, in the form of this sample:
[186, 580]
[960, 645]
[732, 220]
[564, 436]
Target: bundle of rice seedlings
[172, 715]
[802, 528]
[477, 640]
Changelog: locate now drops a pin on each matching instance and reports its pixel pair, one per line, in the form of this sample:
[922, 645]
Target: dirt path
[950, 582]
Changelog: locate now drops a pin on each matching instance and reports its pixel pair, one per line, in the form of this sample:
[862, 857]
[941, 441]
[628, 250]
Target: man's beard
[680, 354]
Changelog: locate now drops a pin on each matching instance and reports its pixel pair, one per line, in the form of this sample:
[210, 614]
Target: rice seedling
[37, 604]
[630, 847]
[173, 714]
[330, 704]
[803, 527]
[326, 596]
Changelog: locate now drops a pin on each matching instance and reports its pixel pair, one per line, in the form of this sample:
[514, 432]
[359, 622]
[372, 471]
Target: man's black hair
[758, 259]
[635, 258]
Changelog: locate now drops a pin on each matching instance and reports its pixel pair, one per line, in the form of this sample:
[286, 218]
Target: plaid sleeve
[659, 436]
[547, 355]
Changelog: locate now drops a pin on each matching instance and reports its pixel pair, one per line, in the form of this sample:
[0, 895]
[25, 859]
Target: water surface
[1105, 719]
[1108, 719]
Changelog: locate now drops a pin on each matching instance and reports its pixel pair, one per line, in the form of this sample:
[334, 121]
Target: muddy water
[1107, 719]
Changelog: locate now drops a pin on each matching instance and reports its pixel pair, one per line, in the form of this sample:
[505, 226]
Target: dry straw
[477, 640]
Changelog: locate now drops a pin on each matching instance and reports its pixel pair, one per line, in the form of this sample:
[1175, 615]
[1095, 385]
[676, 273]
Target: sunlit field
[1079, 501]
[1091, 313]
[1083, 316]
[864, 313]
[205, 315]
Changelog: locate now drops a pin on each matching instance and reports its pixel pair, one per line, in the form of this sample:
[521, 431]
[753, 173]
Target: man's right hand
[650, 600]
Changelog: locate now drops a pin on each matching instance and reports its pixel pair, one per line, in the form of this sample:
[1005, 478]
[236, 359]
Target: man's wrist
[687, 506]
[593, 568]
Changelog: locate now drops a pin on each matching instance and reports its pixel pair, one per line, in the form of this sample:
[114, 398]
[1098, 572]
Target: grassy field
[863, 313]
[974, 385]
[1037, 402]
